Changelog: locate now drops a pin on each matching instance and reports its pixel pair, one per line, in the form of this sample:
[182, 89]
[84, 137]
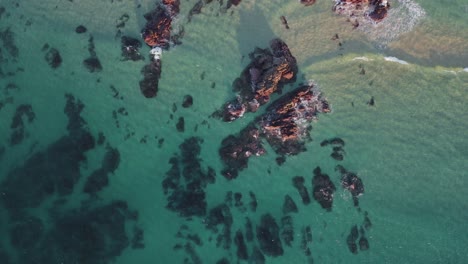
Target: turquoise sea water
[410, 149]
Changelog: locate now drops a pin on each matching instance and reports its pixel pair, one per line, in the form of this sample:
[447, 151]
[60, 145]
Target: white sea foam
[465, 69]
[362, 58]
[394, 59]
[402, 17]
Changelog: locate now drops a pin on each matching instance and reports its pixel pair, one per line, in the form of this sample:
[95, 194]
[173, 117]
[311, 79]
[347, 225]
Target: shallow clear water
[410, 149]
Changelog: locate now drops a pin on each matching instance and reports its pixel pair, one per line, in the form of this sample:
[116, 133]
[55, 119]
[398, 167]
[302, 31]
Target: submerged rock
[298, 183]
[323, 189]
[289, 206]
[151, 74]
[187, 101]
[268, 236]
[53, 58]
[351, 182]
[131, 48]
[80, 29]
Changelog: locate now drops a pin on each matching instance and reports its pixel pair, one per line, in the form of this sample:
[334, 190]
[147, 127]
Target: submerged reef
[185, 183]
[43, 225]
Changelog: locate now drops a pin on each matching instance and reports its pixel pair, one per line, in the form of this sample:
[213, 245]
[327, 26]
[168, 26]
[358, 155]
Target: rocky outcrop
[285, 126]
[286, 123]
[266, 74]
[375, 10]
[157, 31]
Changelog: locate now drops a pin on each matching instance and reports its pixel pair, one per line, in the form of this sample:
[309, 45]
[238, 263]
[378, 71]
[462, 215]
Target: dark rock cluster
[337, 147]
[185, 183]
[266, 74]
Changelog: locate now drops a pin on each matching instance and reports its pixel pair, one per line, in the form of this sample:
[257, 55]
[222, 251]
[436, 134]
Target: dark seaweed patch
[241, 246]
[257, 256]
[17, 124]
[268, 236]
[298, 183]
[180, 125]
[185, 182]
[80, 29]
[94, 232]
[7, 37]
[248, 230]
[289, 206]
[92, 63]
[220, 216]
[253, 202]
[53, 58]
[187, 101]
[287, 232]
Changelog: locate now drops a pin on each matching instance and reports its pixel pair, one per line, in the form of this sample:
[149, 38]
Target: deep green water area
[84, 155]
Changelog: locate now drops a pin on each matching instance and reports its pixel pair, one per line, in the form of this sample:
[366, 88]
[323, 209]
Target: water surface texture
[92, 171]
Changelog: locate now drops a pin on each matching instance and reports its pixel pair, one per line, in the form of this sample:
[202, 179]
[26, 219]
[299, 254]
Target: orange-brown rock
[286, 123]
[157, 31]
[266, 74]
